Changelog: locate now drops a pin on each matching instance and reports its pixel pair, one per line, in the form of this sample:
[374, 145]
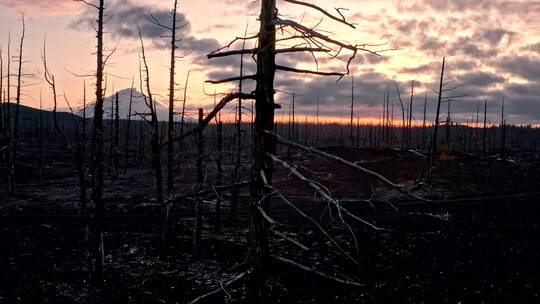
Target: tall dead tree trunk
[78, 151]
[197, 237]
[264, 141]
[409, 124]
[238, 161]
[171, 130]
[219, 173]
[128, 128]
[263, 146]
[484, 129]
[317, 124]
[436, 127]
[183, 112]
[173, 28]
[448, 125]
[294, 126]
[403, 119]
[116, 141]
[15, 135]
[155, 146]
[424, 123]
[503, 130]
[383, 122]
[40, 137]
[476, 126]
[352, 112]
[7, 111]
[96, 237]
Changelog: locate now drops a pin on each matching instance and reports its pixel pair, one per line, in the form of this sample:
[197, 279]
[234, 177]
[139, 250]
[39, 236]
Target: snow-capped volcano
[138, 106]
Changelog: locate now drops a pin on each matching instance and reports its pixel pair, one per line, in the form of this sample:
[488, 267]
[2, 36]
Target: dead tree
[7, 112]
[294, 127]
[447, 136]
[264, 138]
[352, 112]
[173, 28]
[96, 163]
[476, 126]
[219, 177]
[403, 120]
[424, 123]
[484, 151]
[503, 130]
[40, 137]
[116, 140]
[317, 123]
[128, 128]
[197, 237]
[409, 124]
[436, 127]
[446, 94]
[15, 135]
[238, 161]
[77, 149]
[155, 145]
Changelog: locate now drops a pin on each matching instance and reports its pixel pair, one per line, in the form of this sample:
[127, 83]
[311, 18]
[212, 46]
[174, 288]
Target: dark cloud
[522, 66]
[533, 48]
[124, 16]
[475, 35]
[481, 79]
[494, 36]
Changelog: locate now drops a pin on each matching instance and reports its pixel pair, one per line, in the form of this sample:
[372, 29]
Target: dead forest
[127, 196]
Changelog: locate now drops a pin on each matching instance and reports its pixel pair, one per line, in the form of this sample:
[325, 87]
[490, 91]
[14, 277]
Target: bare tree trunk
[352, 112]
[409, 128]
[8, 110]
[403, 124]
[116, 142]
[264, 144]
[447, 127]
[476, 126]
[40, 138]
[183, 113]
[238, 162]
[358, 132]
[97, 158]
[436, 127]
[294, 127]
[219, 174]
[15, 136]
[317, 124]
[503, 130]
[424, 123]
[155, 146]
[383, 124]
[200, 179]
[171, 130]
[126, 159]
[78, 152]
[484, 151]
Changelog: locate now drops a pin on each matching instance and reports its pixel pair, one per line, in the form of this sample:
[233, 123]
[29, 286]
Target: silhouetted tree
[15, 134]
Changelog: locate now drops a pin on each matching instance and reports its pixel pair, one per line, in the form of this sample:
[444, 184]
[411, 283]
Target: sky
[492, 50]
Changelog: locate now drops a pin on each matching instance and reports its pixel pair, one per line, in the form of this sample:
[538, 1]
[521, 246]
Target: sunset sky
[492, 48]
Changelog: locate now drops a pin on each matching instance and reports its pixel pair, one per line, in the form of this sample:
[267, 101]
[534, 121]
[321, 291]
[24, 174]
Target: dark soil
[475, 254]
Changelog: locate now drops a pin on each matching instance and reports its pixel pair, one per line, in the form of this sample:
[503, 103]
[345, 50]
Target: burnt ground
[478, 253]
